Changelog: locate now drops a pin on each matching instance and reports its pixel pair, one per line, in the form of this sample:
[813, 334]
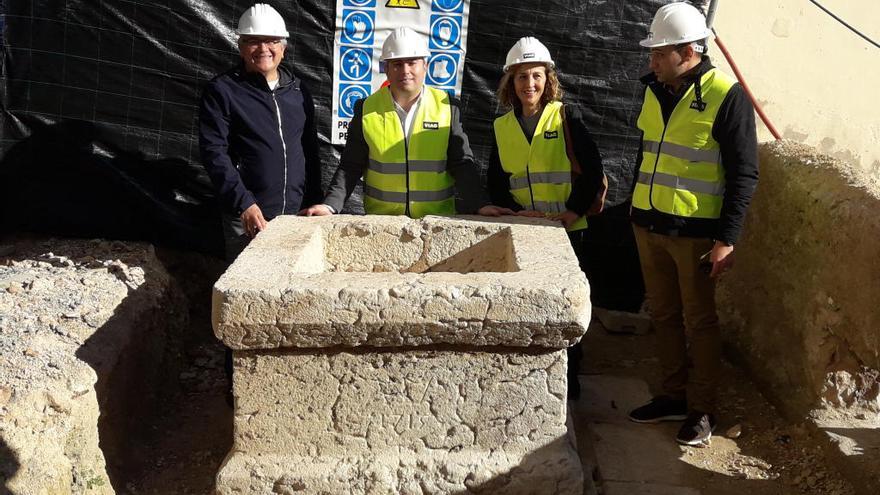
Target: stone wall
[801, 304]
[83, 328]
[382, 354]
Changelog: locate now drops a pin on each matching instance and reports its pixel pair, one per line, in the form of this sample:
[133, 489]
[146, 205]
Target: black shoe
[662, 408]
[697, 428]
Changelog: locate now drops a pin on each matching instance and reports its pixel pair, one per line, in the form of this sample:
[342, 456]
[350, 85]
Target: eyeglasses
[255, 42]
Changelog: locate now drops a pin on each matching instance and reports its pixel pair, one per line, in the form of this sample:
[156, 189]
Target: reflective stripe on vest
[540, 172]
[681, 172]
[408, 179]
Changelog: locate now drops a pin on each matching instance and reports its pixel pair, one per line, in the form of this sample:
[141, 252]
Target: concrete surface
[811, 74]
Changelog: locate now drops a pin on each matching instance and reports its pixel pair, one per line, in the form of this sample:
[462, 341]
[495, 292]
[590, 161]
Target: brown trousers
[681, 298]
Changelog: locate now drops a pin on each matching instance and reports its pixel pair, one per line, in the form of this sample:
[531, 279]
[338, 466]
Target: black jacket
[248, 156]
[585, 186]
[460, 164]
[734, 129]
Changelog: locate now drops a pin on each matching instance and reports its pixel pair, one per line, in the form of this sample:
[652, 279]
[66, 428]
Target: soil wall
[800, 306]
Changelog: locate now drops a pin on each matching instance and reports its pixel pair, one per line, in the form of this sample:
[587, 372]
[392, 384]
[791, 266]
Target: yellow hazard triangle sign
[402, 4]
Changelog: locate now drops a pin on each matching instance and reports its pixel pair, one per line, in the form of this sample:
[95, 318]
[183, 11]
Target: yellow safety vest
[540, 172]
[681, 172]
[408, 180]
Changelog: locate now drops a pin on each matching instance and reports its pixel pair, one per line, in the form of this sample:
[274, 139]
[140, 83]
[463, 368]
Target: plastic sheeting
[99, 100]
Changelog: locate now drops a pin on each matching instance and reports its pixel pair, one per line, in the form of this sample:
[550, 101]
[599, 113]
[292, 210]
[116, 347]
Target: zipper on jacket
[529, 174]
[656, 161]
[660, 144]
[284, 153]
[406, 160]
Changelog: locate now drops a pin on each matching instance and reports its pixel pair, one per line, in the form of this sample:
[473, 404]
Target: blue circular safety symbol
[445, 33]
[348, 96]
[355, 63]
[442, 69]
[359, 3]
[448, 5]
[357, 27]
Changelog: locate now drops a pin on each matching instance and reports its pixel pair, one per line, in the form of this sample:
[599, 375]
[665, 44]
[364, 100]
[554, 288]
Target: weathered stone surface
[349, 403]
[343, 280]
[389, 355]
[81, 335]
[490, 473]
[801, 303]
[466, 417]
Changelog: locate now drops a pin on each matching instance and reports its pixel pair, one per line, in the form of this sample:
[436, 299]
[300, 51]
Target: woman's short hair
[507, 94]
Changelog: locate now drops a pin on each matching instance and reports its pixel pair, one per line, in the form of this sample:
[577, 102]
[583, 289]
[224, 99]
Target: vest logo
[430, 125]
[551, 134]
[698, 105]
[402, 4]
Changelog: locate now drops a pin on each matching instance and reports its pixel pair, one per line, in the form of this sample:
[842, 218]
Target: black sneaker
[697, 429]
[662, 408]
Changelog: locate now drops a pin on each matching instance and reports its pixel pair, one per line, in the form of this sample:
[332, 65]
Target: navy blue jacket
[248, 156]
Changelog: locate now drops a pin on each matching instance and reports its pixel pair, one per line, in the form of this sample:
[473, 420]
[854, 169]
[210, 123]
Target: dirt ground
[754, 449]
[190, 438]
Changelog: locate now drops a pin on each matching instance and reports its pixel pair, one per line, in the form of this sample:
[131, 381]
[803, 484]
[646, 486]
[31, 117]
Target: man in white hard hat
[696, 173]
[257, 132]
[407, 142]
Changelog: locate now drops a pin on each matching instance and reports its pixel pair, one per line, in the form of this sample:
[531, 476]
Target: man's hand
[494, 211]
[252, 220]
[567, 218]
[531, 213]
[721, 258]
[315, 211]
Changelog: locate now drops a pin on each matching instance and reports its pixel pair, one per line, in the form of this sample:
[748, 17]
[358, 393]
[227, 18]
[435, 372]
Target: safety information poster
[361, 28]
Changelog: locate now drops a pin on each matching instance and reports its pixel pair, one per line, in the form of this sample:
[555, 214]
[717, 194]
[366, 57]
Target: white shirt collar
[407, 118]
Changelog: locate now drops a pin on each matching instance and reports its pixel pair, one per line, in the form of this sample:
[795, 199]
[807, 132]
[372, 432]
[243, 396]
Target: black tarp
[99, 104]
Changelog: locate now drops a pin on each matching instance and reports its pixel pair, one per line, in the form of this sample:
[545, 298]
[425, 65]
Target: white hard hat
[676, 23]
[261, 20]
[404, 43]
[528, 50]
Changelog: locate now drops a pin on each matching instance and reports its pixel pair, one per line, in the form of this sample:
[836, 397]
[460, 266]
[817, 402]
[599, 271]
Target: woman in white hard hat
[544, 162]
